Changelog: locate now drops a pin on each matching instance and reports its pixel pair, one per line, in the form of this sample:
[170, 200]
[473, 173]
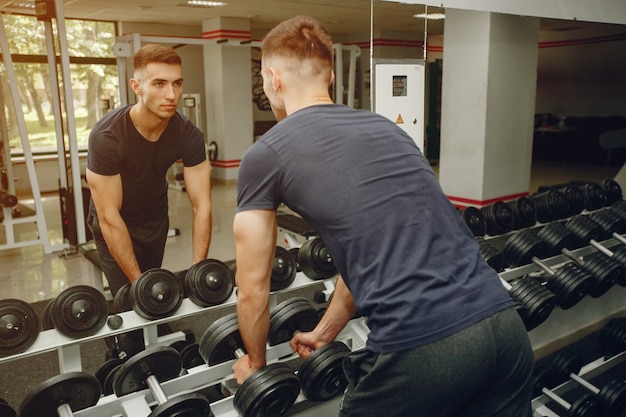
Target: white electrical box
[399, 95]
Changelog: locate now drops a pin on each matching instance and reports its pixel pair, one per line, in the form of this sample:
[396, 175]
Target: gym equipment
[270, 391]
[612, 191]
[6, 410]
[612, 395]
[209, 282]
[594, 196]
[19, 326]
[586, 406]
[115, 322]
[78, 311]
[569, 283]
[618, 254]
[609, 220]
[157, 293]
[537, 299]
[105, 374]
[491, 255]
[605, 272]
[148, 369]
[294, 255]
[321, 374]
[551, 205]
[61, 396]
[315, 260]
[283, 270]
[521, 247]
[586, 229]
[7, 200]
[612, 337]
[475, 220]
[524, 212]
[191, 356]
[498, 218]
[121, 301]
[290, 316]
[558, 236]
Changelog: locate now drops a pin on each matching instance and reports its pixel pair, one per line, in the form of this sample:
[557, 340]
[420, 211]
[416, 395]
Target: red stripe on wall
[583, 41]
[226, 34]
[465, 202]
[226, 164]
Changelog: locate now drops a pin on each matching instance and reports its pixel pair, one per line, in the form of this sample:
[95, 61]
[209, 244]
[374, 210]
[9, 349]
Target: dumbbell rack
[568, 322]
[136, 404]
[593, 369]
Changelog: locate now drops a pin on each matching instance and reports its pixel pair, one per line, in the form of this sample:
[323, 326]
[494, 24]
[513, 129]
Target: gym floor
[30, 275]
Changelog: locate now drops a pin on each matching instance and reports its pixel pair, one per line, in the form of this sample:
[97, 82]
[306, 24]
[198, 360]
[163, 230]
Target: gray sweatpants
[484, 370]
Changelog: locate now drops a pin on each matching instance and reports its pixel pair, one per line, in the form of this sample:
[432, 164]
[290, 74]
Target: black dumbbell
[491, 255]
[321, 374]
[147, 370]
[19, 326]
[520, 248]
[78, 311]
[208, 282]
[609, 220]
[498, 218]
[612, 191]
[284, 269]
[612, 337]
[157, 293]
[617, 255]
[271, 390]
[61, 396]
[569, 283]
[524, 212]
[605, 272]
[315, 260]
[551, 205]
[612, 395]
[586, 406]
[475, 220]
[537, 300]
[105, 374]
[6, 410]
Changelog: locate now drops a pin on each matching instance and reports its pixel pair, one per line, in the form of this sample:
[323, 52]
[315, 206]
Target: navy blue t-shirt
[117, 147]
[410, 262]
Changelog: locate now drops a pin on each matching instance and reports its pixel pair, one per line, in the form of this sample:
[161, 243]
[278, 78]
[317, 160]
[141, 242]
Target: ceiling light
[431, 16]
[22, 5]
[203, 3]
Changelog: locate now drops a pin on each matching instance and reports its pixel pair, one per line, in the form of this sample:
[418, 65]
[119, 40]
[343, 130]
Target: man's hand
[242, 369]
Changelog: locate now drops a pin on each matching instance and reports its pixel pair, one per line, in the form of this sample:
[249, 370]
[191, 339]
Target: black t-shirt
[411, 263]
[116, 147]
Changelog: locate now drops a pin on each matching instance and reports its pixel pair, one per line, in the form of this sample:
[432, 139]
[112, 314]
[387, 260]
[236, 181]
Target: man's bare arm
[198, 185]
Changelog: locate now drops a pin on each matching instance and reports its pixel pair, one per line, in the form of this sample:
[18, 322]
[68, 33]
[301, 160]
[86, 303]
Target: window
[93, 73]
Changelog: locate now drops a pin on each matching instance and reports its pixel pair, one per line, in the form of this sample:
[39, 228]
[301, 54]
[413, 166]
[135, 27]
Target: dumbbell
[147, 370]
[612, 191]
[315, 260]
[605, 272]
[551, 205]
[538, 300]
[612, 395]
[208, 282]
[78, 311]
[61, 396]
[491, 255]
[586, 406]
[520, 248]
[321, 374]
[270, 391]
[569, 283]
[609, 220]
[498, 218]
[475, 220]
[284, 269]
[105, 374]
[612, 337]
[19, 326]
[7, 200]
[524, 212]
[157, 293]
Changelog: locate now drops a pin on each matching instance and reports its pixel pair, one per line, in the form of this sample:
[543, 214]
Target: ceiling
[340, 16]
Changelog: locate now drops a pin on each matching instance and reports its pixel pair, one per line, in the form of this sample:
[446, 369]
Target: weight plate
[570, 284]
[498, 218]
[121, 301]
[566, 362]
[191, 356]
[107, 384]
[283, 270]
[209, 282]
[594, 195]
[475, 220]
[181, 278]
[162, 362]
[605, 273]
[612, 397]
[294, 314]
[294, 255]
[105, 369]
[492, 256]
[78, 390]
[6, 410]
[220, 340]
[575, 198]
[524, 212]
[19, 326]
[315, 260]
[79, 311]
[586, 406]
[321, 374]
[612, 191]
[558, 236]
[186, 405]
[270, 391]
[157, 293]
[46, 318]
[586, 229]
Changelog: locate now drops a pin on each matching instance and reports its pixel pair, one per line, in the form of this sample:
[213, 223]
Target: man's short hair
[150, 53]
[301, 37]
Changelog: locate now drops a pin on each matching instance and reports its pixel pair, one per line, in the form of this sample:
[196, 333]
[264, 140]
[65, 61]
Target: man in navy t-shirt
[445, 339]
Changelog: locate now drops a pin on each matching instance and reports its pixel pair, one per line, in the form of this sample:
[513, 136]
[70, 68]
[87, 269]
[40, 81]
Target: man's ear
[332, 77]
[135, 86]
[276, 82]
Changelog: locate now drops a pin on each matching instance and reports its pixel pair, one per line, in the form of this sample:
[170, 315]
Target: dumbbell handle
[573, 257]
[64, 410]
[601, 248]
[543, 266]
[619, 237]
[155, 388]
[556, 398]
[584, 383]
[506, 284]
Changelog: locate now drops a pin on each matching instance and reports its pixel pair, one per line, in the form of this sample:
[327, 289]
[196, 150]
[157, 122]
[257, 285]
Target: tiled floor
[31, 275]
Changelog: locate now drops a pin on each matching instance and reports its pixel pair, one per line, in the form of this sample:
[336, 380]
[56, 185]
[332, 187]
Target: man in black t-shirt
[130, 151]
[445, 339]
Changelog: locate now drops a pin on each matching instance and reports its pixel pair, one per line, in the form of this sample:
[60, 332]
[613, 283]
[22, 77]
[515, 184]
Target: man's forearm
[201, 233]
[121, 248]
[253, 318]
[340, 310]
